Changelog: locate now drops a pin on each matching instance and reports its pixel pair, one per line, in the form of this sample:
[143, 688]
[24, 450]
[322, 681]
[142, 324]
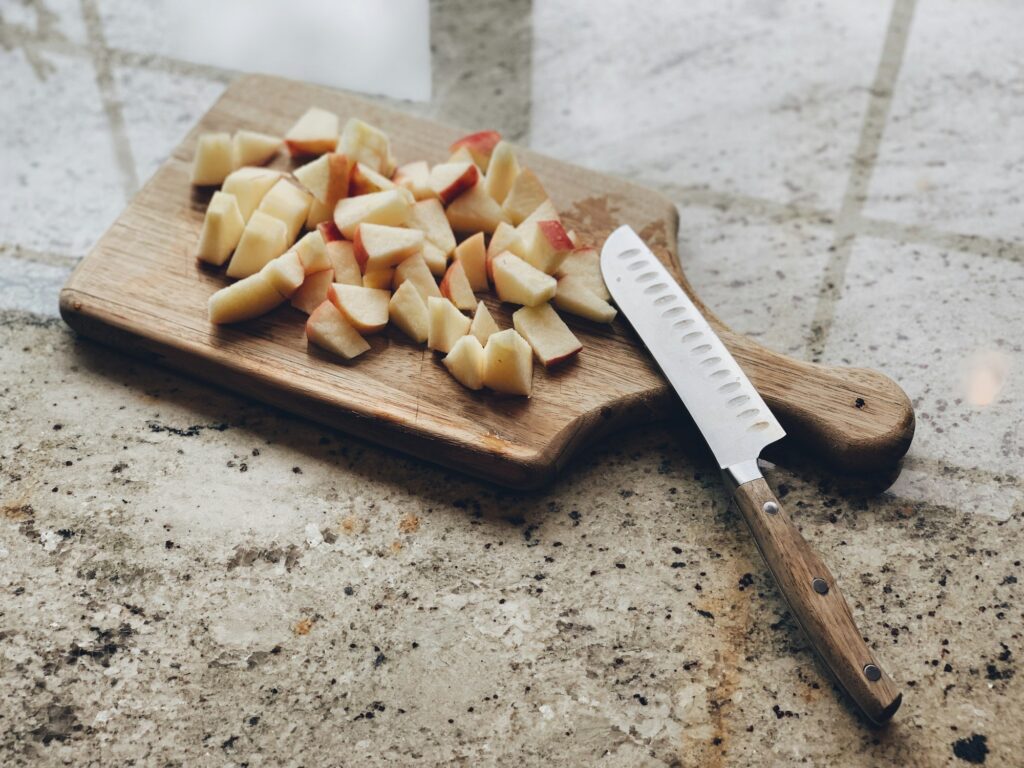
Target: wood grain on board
[141, 289]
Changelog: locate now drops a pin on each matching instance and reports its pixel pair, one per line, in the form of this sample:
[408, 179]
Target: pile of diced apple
[408, 245]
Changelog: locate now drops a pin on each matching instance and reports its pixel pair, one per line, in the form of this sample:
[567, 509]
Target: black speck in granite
[972, 749]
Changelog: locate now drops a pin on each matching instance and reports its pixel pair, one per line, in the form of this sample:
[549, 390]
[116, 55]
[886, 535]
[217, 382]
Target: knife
[737, 426]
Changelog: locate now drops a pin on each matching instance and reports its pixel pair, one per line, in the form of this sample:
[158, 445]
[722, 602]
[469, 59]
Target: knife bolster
[739, 474]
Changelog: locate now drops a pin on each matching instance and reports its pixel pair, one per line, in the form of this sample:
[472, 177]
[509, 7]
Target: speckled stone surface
[191, 578]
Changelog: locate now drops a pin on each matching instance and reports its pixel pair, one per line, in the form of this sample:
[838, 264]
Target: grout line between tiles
[100, 57]
[859, 181]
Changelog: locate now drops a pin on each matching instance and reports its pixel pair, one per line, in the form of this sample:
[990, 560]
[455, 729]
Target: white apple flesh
[366, 309]
[585, 264]
[414, 270]
[548, 247]
[286, 202]
[264, 238]
[390, 207]
[326, 178]
[328, 329]
[523, 198]
[474, 211]
[455, 287]
[501, 172]
[508, 363]
[250, 186]
[465, 362]
[480, 146]
[416, 178]
[379, 246]
[575, 297]
[253, 148]
[428, 216]
[249, 298]
[471, 254]
[222, 229]
[546, 333]
[214, 159]
[449, 180]
[313, 291]
[367, 144]
[446, 324]
[408, 311]
[315, 133]
[517, 282]
[483, 325]
[313, 251]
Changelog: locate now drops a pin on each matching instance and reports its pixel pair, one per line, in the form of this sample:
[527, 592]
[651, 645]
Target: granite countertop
[190, 578]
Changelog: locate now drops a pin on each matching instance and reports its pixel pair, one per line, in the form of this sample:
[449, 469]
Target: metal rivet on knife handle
[770, 508]
[872, 673]
[820, 586]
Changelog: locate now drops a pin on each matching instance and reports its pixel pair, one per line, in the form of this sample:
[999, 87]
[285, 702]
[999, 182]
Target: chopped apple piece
[318, 213]
[365, 144]
[517, 282]
[379, 278]
[285, 273]
[437, 260]
[428, 217]
[343, 260]
[506, 238]
[585, 264]
[446, 324]
[465, 362]
[313, 291]
[222, 229]
[264, 238]
[474, 211]
[328, 329]
[390, 207]
[313, 251]
[502, 172]
[480, 145]
[546, 333]
[326, 178]
[416, 178]
[462, 155]
[251, 297]
[250, 186]
[548, 247]
[365, 308]
[315, 133]
[456, 287]
[414, 270]
[546, 211]
[449, 180]
[214, 159]
[252, 148]
[508, 363]
[575, 297]
[289, 204]
[379, 246]
[523, 198]
[471, 254]
[409, 312]
[329, 231]
[365, 181]
[574, 237]
[483, 324]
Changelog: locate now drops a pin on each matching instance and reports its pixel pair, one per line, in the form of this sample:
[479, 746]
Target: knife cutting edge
[737, 426]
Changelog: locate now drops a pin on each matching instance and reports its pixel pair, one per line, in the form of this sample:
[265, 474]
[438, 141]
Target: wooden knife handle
[815, 599]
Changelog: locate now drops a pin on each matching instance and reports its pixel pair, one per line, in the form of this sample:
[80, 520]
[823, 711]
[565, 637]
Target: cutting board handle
[856, 419]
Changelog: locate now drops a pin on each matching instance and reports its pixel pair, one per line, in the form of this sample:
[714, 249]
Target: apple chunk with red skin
[446, 324]
[365, 181]
[314, 133]
[379, 246]
[455, 287]
[326, 178]
[416, 178]
[480, 145]
[328, 329]
[465, 362]
[258, 293]
[366, 309]
[517, 282]
[449, 180]
[508, 363]
[546, 333]
[548, 247]
[585, 264]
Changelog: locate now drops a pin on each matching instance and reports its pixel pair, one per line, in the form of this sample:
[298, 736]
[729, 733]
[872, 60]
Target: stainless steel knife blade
[737, 425]
[730, 413]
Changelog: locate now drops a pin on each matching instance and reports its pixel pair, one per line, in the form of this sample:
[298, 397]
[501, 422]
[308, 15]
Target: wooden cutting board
[141, 290]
